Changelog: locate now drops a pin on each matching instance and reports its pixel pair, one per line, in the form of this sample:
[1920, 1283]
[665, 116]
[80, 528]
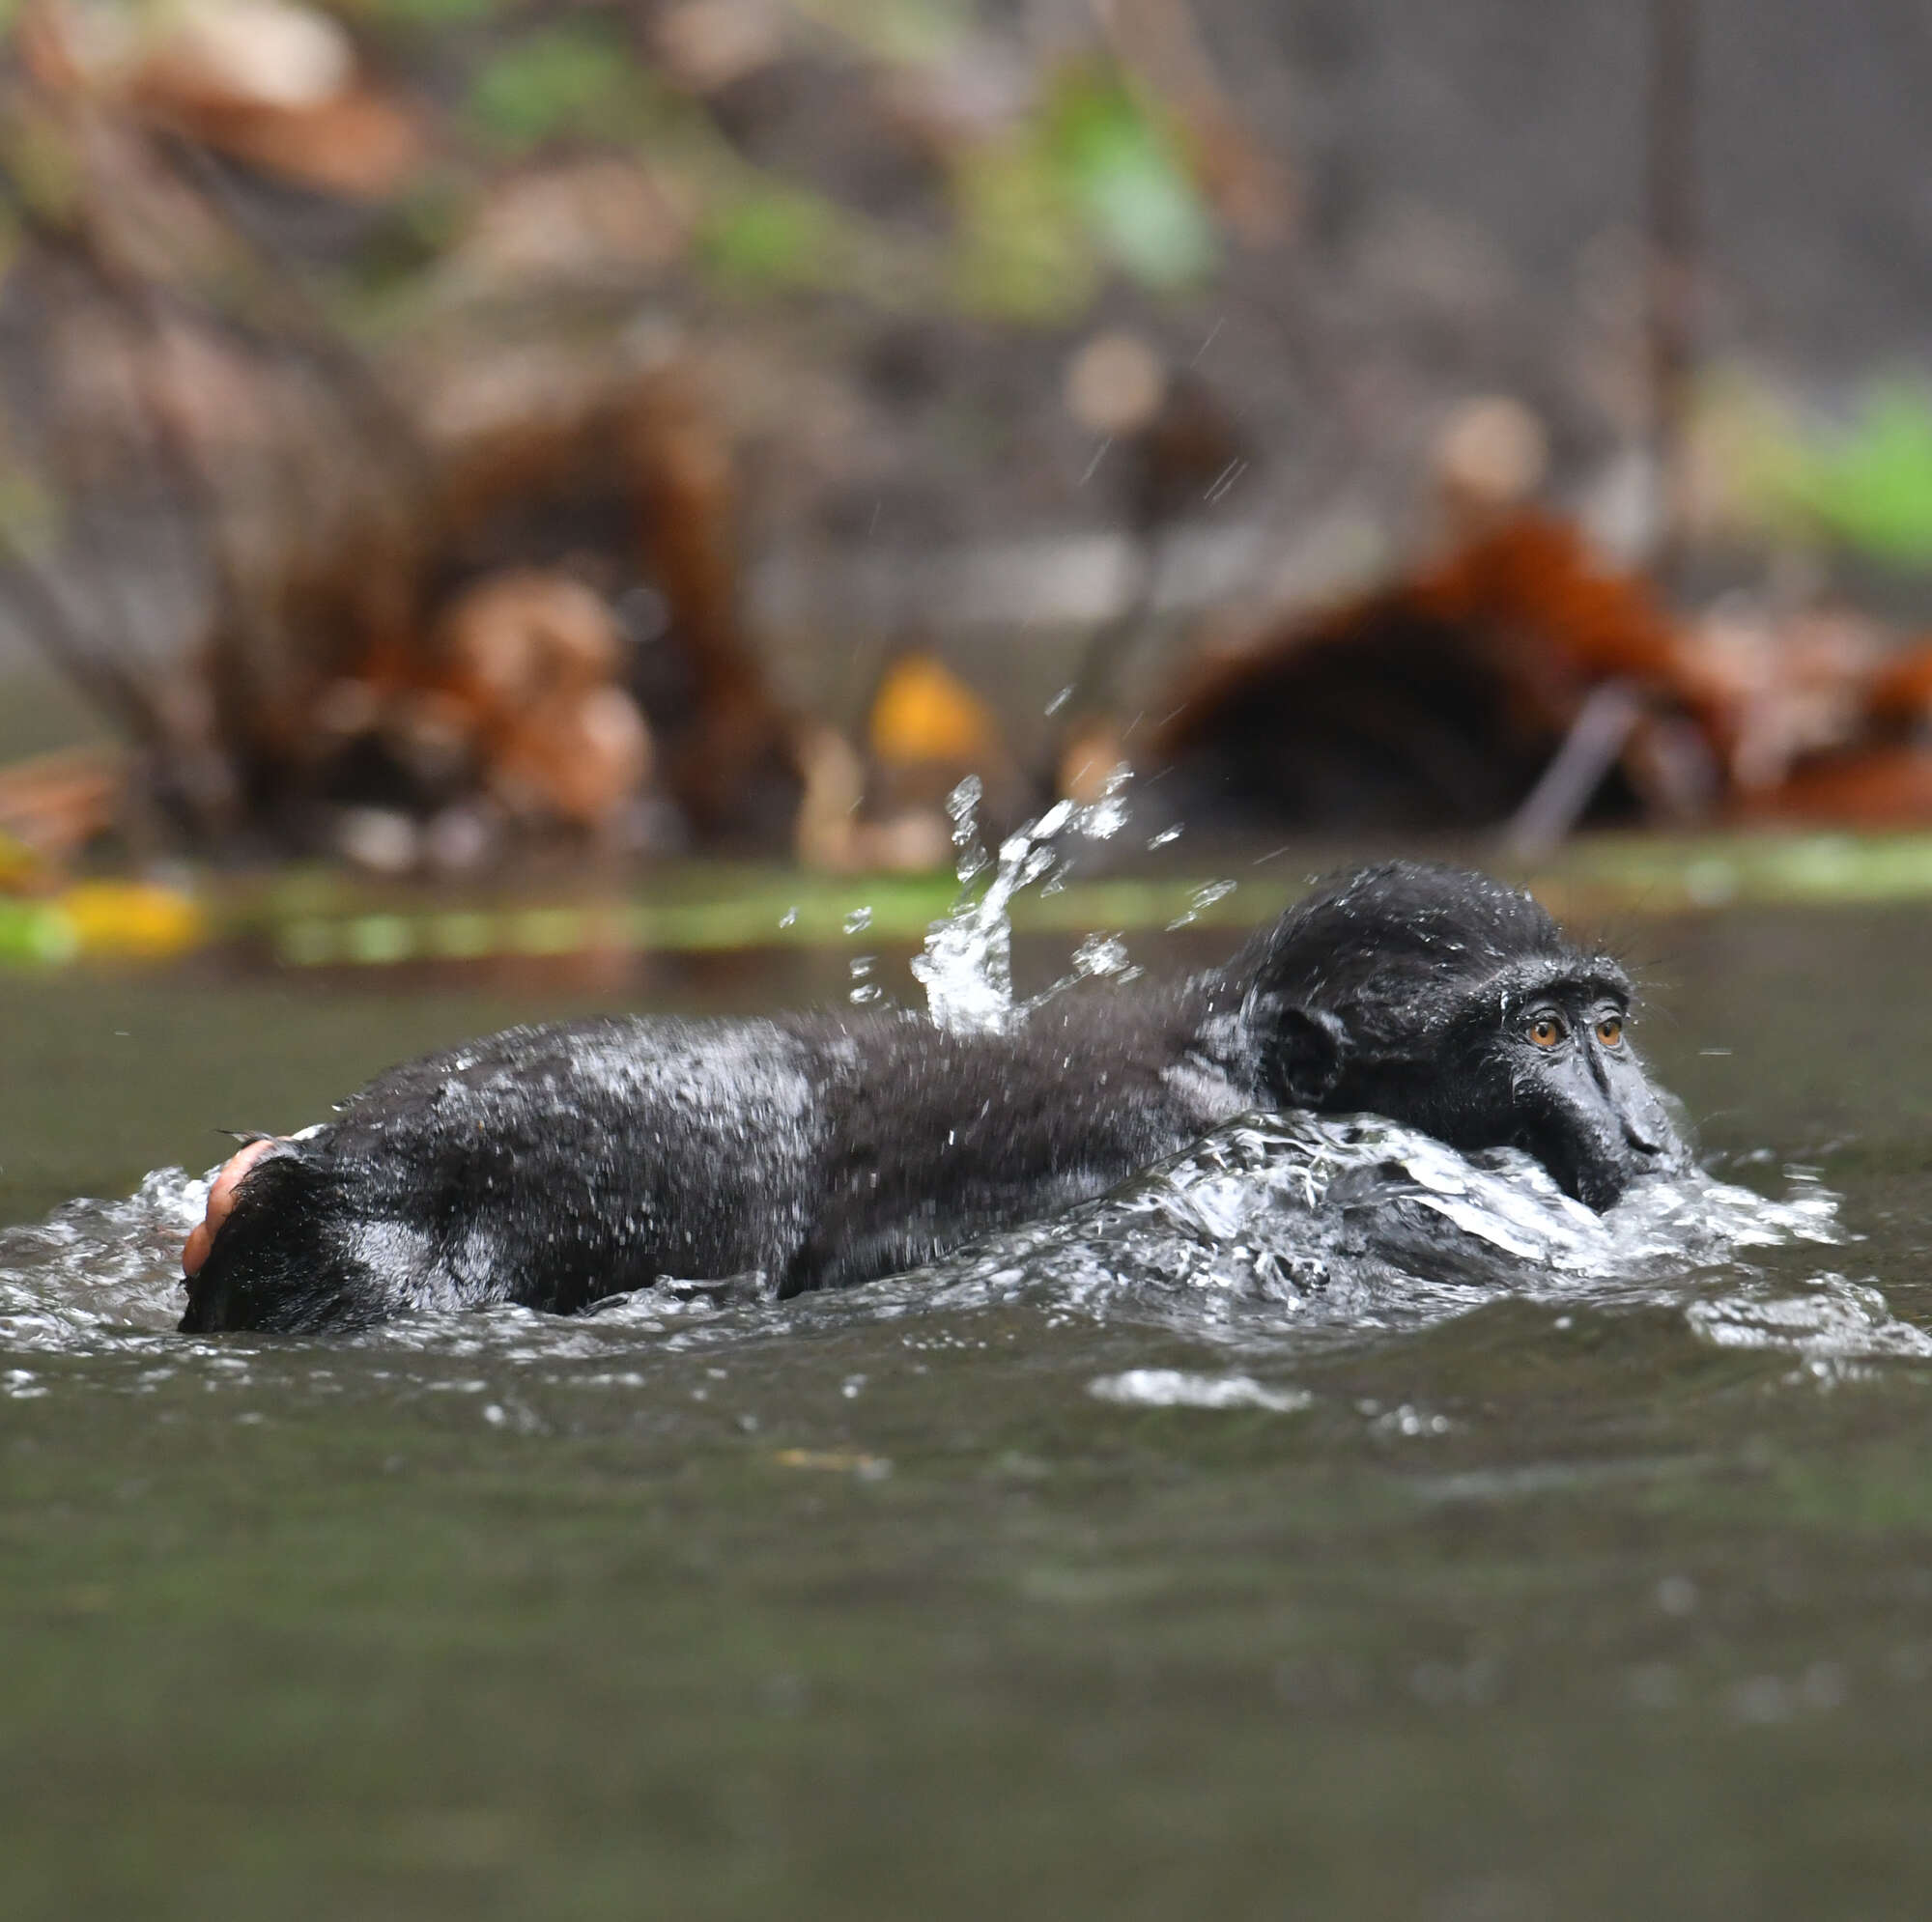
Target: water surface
[1605, 1595]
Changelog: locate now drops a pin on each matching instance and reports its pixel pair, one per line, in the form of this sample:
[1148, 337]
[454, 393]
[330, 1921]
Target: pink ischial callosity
[221, 1204]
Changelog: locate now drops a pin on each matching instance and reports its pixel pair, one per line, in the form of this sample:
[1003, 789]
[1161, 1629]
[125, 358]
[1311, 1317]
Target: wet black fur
[555, 1165]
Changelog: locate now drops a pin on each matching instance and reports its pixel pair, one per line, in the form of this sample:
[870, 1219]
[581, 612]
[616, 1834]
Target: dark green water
[1543, 1611]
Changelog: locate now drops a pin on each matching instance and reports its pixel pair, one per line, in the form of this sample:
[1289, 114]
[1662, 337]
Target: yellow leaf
[132, 917]
[924, 712]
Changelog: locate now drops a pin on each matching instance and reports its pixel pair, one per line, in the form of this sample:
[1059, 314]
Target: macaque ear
[1301, 1049]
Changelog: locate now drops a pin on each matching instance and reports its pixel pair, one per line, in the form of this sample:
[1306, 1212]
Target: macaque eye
[1610, 1029]
[1546, 1030]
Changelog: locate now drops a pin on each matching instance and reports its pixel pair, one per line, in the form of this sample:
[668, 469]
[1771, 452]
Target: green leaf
[1871, 486]
[563, 82]
[1022, 252]
[1131, 184]
[771, 236]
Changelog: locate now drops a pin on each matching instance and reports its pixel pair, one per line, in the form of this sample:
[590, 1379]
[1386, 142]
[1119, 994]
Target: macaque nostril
[1650, 1132]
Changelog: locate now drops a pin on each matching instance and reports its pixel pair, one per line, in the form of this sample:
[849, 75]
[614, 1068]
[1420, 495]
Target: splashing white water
[1273, 1234]
[1271, 1228]
[92, 1268]
[1302, 1226]
[1204, 898]
[966, 966]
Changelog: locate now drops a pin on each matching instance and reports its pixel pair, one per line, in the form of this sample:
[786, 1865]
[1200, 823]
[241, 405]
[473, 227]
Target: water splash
[1204, 898]
[96, 1272]
[966, 966]
[1831, 1319]
[1275, 1235]
[1302, 1227]
[864, 989]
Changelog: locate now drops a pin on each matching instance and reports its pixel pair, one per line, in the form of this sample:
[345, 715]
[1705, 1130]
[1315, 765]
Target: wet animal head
[1452, 1003]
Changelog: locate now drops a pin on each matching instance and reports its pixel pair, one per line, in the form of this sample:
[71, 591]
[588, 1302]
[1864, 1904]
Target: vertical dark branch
[1672, 234]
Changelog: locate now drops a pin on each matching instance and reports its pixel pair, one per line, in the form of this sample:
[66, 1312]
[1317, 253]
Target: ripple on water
[1274, 1234]
[1175, 1388]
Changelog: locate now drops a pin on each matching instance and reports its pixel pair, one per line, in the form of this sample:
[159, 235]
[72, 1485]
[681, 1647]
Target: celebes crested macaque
[555, 1165]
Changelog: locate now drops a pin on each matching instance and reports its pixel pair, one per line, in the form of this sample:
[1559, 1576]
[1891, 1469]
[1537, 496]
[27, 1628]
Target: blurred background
[497, 445]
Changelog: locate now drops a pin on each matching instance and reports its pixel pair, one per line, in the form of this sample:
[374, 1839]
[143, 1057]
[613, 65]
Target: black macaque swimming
[555, 1165]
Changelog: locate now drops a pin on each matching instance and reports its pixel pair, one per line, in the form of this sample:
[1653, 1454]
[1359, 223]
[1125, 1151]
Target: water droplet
[789, 918]
[1101, 954]
[962, 804]
[1204, 899]
[1165, 838]
[1102, 819]
[857, 921]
